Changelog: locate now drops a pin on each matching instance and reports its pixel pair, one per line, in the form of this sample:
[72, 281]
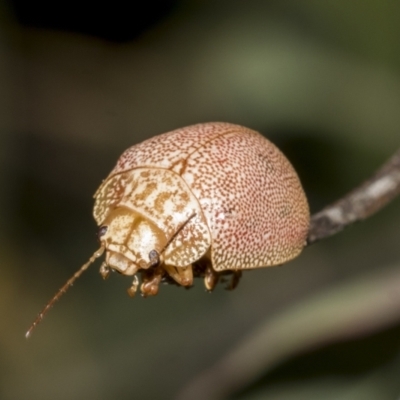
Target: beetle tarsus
[211, 278]
[133, 289]
[234, 281]
[150, 283]
[105, 270]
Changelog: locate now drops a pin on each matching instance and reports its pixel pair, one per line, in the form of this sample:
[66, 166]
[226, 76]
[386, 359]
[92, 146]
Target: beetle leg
[105, 270]
[235, 278]
[133, 289]
[211, 278]
[150, 282]
[182, 275]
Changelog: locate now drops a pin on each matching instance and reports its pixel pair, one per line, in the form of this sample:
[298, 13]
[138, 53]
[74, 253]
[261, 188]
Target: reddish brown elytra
[206, 200]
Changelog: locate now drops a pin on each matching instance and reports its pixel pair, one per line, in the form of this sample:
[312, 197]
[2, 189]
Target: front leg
[133, 289]
[105, 270]
[150, 282]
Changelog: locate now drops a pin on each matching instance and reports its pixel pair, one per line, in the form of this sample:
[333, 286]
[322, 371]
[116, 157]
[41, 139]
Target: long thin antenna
[61, 291]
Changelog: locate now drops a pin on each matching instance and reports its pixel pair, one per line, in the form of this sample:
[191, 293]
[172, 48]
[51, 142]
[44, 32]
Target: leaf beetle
[207, 200]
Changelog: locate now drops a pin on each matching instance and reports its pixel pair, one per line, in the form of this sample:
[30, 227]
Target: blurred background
[81, 82]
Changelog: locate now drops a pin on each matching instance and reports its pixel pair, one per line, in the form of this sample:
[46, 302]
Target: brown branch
[360, 203]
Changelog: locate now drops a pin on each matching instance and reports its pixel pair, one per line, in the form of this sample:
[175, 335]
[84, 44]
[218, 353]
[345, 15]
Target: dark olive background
[79, 84]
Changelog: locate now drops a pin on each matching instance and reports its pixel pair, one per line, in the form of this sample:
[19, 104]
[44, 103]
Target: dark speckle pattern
[249, 193]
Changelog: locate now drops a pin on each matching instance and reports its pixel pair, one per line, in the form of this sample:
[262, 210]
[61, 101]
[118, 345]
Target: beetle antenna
[62, 290]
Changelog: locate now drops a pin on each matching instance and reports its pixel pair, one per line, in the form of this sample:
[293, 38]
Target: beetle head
[128, 238]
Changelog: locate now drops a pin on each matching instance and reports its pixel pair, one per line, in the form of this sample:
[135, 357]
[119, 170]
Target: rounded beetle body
[200, 200]
[205, 200]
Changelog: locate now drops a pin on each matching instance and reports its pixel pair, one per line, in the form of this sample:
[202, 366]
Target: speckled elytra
[207, 200]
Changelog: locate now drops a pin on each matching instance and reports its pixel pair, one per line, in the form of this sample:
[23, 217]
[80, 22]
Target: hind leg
[234, 281]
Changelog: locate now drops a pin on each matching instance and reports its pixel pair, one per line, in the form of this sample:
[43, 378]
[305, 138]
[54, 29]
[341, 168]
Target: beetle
[204, 201]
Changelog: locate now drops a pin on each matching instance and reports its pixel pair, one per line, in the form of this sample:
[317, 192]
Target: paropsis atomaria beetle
[207, 200]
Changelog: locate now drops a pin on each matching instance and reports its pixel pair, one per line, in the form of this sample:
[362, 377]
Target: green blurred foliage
[319, 78]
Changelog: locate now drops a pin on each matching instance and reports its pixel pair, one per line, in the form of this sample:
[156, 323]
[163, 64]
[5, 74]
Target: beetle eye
[102, 231]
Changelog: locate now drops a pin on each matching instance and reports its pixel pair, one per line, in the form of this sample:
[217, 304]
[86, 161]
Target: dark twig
[360, 203]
